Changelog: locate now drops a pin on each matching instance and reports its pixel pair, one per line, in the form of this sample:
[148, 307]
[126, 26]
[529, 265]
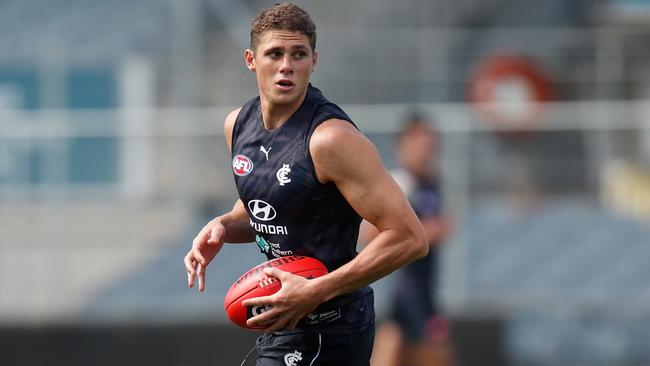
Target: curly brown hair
[284, 16]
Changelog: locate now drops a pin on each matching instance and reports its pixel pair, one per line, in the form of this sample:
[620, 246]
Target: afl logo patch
[242, 165]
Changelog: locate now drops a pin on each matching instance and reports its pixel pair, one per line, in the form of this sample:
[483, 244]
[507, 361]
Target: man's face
[283, 62]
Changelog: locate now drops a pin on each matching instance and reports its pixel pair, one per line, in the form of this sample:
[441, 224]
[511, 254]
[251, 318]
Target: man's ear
[249, 59]
[313, 66]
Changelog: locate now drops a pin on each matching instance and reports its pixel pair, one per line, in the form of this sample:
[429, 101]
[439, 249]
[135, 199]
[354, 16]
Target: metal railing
[188, 165]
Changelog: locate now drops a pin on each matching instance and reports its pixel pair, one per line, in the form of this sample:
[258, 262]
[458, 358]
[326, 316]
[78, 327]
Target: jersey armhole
[235, 132]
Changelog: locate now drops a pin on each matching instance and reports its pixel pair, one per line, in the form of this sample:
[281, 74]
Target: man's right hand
[205, 247]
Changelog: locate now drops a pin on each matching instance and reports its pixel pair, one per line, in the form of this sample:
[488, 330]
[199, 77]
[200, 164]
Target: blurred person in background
[306, 177]
[415, 334]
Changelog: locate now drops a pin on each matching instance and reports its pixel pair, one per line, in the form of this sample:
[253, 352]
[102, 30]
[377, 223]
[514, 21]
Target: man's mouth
[285, 83]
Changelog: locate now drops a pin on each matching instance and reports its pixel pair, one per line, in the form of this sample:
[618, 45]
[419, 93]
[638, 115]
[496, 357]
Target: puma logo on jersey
[292, 359]
[265, 151]
[282, 174]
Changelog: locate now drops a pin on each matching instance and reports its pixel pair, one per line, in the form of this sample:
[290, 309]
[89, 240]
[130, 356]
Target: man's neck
[276, 115]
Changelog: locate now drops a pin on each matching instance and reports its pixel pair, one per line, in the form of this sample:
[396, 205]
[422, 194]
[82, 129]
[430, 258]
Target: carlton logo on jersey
[242, 165]
[292, 359]
[282, 174]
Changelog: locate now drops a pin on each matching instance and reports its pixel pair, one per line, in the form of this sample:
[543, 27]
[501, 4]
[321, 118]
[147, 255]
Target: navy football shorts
[316, 349]
[339, 335]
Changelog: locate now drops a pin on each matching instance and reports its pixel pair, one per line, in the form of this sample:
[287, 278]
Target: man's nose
[287, 64]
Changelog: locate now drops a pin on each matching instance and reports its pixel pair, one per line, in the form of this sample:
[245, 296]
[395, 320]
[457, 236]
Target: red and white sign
[510, 91]
[242, 165]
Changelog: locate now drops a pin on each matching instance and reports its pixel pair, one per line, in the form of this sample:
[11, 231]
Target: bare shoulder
[228, 126]
[334, 145]
[331, 130]
[229, 123]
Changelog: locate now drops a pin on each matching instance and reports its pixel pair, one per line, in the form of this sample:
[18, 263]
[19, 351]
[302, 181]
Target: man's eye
[275, 54]
[299, 55]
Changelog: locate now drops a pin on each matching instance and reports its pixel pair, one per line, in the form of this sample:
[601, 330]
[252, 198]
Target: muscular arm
[437, 228]
[373, 193]
[342, 155]
[231, 227]
[236, 221]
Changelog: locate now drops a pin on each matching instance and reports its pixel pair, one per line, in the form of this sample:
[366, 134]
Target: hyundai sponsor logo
[261, 210]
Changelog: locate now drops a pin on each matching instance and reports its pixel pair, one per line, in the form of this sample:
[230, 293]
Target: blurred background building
[112, 157]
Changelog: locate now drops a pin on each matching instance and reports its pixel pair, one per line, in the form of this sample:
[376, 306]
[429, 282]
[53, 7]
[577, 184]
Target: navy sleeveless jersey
[291, 212]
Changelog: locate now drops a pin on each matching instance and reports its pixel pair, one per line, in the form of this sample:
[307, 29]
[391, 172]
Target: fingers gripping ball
[255, 283]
